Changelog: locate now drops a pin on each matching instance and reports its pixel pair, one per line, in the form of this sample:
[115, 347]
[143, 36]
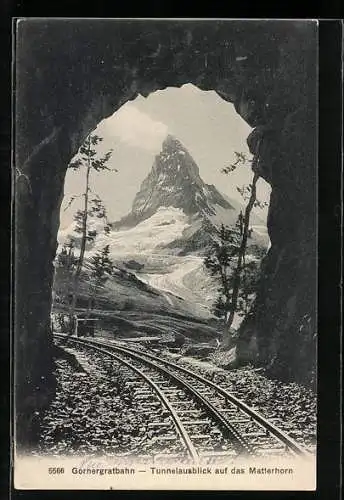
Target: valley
[158, 250]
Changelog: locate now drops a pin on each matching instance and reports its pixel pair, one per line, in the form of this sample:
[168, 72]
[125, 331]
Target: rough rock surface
[174, 181]
[72, 74]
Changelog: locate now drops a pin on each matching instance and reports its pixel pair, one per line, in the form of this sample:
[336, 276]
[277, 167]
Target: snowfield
[165, 226]
[181, 279]
[176, 283]
[93, 224]
[177, 277]
[163, 271]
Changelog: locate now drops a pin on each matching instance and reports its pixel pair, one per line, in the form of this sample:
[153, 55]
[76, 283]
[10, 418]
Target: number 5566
[56, 470]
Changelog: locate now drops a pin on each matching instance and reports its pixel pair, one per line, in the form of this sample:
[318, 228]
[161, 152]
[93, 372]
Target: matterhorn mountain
[158, 247]
[174, 182]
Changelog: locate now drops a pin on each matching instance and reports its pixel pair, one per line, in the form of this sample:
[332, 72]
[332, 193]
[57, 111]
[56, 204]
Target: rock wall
[72, 74]
[284, 141]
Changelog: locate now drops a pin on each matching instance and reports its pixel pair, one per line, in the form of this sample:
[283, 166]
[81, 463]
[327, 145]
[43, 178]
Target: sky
[208, 126]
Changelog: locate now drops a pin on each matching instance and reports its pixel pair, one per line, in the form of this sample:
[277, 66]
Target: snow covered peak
[174, 181]
[174, 164]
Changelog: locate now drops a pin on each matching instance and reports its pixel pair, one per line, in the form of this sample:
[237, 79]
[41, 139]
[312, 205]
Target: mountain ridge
[173, 181]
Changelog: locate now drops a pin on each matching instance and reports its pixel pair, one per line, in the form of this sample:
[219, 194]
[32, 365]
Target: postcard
[165, 254]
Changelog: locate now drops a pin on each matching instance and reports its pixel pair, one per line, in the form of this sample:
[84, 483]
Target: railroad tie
[143, 392]
[159, 424]
[195, 422]
[214, 454]
[254, 434]
[239, 421]
[234, 416]
[199, 436]
[181, 412]
[233, 411]
[182, 403]
[206, 393]
[165, 438]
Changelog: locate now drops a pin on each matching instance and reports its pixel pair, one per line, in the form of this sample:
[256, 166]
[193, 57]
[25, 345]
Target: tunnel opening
[272, 84]
[165, 197]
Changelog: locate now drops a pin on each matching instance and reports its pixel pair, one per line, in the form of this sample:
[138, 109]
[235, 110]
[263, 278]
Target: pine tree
[101, 268]
[88, 161]
[248, 287]
[219, 260]
[65, 265]
[240, 264]
[226, 259]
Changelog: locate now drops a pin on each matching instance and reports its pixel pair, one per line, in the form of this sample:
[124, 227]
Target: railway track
[191, 417]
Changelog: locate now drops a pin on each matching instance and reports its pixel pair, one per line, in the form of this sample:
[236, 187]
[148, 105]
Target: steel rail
[262, 421]
[228, 429]
[224, 424]
[266, 424]
[178, 423]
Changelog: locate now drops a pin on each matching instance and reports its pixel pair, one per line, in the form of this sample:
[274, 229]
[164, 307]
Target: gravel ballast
[290, 406]
[95, 413]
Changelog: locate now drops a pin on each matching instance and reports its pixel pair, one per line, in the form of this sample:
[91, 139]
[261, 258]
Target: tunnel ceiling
[71, 75]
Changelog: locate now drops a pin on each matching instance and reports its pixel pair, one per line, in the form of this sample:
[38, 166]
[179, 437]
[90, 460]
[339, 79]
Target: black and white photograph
[165, 254]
